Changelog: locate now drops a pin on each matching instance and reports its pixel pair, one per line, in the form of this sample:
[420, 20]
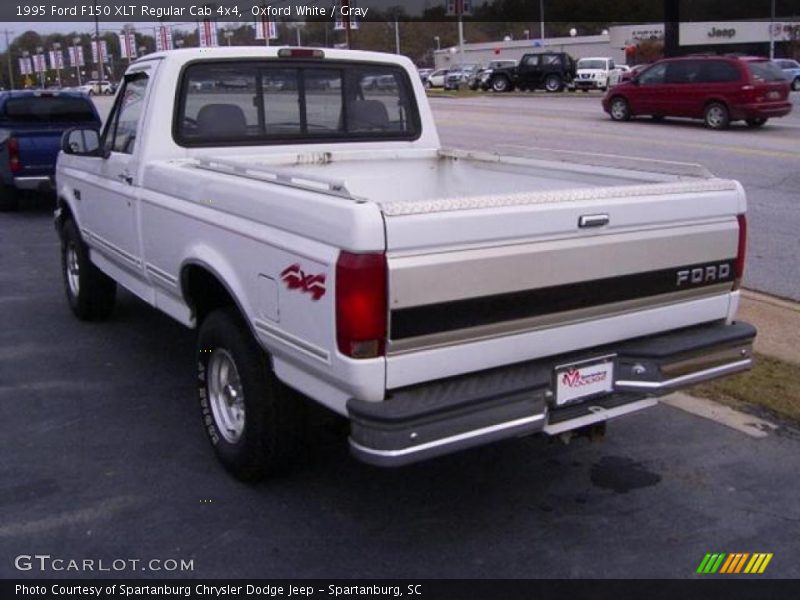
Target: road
[103, 455]
[765, 161]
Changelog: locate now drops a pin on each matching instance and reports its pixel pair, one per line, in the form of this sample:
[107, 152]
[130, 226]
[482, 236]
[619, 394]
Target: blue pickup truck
[31, 125]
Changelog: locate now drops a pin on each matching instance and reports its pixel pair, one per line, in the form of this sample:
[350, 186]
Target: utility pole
[396, 36]
[8, 57]
[771, 31]
[101, 76]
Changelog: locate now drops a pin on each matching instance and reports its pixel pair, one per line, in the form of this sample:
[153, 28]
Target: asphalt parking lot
[103, 455]
[765, 161]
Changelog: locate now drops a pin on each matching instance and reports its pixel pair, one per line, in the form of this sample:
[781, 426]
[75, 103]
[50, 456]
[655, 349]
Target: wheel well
[715, 101]
[65, 214]
[204, 292]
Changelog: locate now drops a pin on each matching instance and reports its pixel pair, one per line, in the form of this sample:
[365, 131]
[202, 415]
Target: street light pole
[75, 42]
[772, 31]
[40, 53]
[8, 57]
[57, 57]
[397, 36]
[541, 21]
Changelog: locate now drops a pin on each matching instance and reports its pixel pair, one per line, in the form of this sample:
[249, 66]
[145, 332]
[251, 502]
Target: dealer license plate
[584, 379]
[773, 95]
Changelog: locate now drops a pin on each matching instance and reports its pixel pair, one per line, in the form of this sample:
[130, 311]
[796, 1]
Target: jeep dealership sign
[737, 32]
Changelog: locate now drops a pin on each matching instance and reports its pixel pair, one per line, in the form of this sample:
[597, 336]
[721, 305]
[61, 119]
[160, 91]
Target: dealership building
[740, 37]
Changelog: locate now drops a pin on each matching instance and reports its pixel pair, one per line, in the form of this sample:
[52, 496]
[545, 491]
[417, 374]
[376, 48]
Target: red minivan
[717, 89]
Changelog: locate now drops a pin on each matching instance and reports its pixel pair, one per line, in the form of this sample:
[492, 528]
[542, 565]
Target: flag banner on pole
[76, 56]
[127, 44]
[39, 64]
[340, 23]
[459, 7]
[56, 59]
[103, 51]
[25, 66]
[207, 34]
[266, 29]
[163, 38]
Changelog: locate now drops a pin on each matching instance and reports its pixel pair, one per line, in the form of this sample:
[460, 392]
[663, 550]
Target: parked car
[618, 73]
[98, 88]
[459, 75]
[437, 299]
[31, 125]
[791, 69]
[717, 89]
[436, 79]
[594, 73]
[480, 79]
[552, 71]
[424, 74]
[633, 72]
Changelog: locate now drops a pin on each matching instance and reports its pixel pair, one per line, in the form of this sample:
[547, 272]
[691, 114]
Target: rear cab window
[49, 109]
[252, 102]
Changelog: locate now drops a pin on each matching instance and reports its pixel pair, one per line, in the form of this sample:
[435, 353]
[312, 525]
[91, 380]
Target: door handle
[126, 178]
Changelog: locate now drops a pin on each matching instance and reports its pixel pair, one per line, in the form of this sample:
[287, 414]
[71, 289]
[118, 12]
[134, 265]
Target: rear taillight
[361, 308]
[13, 155]
[741, 251]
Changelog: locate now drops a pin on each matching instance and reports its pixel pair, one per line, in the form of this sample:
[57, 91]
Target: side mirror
[82, 141]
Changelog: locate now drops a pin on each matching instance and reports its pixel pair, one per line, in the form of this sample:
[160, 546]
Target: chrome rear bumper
[441, 417]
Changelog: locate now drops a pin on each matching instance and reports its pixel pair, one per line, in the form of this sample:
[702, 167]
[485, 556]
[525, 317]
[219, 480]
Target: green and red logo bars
[742, 562]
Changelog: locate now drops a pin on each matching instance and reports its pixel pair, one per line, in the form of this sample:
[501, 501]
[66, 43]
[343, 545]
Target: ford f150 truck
[324, 244]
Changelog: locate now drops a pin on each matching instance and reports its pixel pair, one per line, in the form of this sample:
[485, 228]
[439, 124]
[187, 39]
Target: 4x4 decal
[296, 279]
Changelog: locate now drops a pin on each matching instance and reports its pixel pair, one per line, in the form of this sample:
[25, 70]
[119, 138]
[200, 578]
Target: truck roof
[185, 55]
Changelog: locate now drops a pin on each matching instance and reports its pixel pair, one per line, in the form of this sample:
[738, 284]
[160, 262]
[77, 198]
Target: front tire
[90, 292]
[716, 116]
[501, 84]
[252, 420]
[796, 84]
[620, 110]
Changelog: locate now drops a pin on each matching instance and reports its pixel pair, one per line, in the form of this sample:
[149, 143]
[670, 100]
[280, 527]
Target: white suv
[95, 87]
[594, 73]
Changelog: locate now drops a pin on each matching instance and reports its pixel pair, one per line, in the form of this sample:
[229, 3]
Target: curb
[775, 301]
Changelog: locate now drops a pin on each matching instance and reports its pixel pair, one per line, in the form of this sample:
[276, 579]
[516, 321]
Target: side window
[120, 134]
[654, 75]
[551, 59]
[684, 71]
[718, 71]
[611, 65]
[532, 60]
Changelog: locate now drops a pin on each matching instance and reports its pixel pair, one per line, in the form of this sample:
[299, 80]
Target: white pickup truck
[312, 229]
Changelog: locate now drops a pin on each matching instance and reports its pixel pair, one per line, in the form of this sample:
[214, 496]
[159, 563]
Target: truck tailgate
[38, 149]
[480, 281]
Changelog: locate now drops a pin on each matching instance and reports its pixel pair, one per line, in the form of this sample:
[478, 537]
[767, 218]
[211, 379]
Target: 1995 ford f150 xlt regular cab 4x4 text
[324, 244]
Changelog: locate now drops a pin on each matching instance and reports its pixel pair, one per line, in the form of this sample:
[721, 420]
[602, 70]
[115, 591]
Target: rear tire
[253, 421]
[757, 122]
[619, 109]
[90, 292]
[716, 116]
[553, 84]
[8, 199]
[796, 84]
